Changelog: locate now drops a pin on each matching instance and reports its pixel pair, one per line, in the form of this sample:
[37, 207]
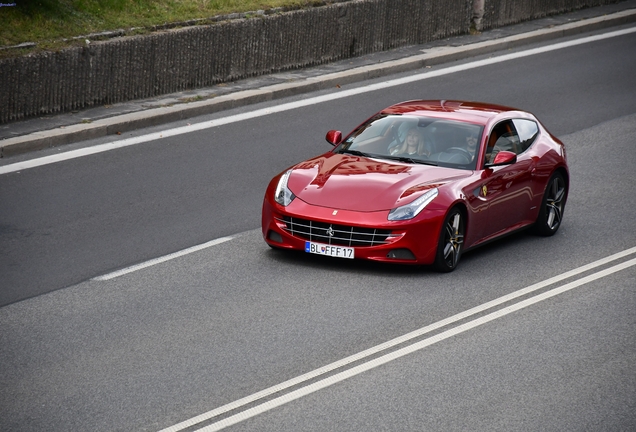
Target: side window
[528, 131]
[503, 137]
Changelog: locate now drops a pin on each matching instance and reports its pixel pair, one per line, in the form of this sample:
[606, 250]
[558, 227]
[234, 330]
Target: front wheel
[451, 239]
[552, 206]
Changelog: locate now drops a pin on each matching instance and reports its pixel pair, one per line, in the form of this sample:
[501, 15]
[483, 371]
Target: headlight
[409, 211]
[283, 195]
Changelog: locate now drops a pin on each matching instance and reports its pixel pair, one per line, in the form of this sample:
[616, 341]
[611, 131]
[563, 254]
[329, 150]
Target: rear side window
[527, 131]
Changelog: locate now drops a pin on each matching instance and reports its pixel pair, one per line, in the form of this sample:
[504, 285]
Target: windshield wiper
[355, 153]
[411, 160]
[396, 158]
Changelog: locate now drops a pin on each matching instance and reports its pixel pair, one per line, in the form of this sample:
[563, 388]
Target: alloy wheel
[554, 202]
[453, 240]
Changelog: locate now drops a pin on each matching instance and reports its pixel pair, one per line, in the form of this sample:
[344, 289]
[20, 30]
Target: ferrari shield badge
[484, 190]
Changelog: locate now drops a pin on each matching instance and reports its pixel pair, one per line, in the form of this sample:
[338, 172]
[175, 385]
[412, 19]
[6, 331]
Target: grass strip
[51, 24]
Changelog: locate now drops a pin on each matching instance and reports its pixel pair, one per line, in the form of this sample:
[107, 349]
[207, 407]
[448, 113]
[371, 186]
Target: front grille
[343, 235]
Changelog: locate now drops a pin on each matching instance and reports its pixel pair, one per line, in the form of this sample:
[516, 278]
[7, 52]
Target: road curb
[157, 116]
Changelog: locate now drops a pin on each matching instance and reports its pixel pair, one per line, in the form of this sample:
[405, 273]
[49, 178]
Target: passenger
[413, 145]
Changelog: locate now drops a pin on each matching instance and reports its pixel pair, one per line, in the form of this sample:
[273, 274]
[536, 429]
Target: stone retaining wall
[138, 67]
[499, 13]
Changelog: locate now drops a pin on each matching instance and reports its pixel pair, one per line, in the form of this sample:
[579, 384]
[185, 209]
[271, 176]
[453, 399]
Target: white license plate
[329, 250]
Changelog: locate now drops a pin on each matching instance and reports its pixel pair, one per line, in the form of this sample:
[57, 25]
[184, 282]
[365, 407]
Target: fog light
[274, 236]
[404, 254]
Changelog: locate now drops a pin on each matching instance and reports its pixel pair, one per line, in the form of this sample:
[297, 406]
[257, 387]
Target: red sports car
[420, 182]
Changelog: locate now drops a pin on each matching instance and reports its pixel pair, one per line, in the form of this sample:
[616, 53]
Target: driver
[471, 145]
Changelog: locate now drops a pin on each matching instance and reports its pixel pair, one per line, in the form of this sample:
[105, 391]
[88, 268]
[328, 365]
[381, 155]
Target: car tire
[451, 240]
[552, 206]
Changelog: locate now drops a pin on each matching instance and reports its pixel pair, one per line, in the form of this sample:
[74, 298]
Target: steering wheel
[459, 150]
[455, 155]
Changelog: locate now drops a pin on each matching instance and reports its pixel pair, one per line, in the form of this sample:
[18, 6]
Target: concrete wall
[137, 67]
[499, 13]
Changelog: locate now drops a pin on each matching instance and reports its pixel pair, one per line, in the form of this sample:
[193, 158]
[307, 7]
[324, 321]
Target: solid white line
[162, 259]
[394, 342]
[19, 166]
[237, 418]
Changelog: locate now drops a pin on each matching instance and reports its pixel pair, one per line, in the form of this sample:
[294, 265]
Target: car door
[503, 195]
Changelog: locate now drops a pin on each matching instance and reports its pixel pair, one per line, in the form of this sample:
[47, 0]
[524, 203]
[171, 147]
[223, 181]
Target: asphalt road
[151, 348]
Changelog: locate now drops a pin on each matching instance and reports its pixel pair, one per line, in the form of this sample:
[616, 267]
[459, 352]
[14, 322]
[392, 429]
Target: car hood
[356, 183]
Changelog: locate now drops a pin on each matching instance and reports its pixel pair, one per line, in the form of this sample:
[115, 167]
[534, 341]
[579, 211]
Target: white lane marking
[304, 391]
[161, 259]
[409, 349]
[394, 342]
[19, 166]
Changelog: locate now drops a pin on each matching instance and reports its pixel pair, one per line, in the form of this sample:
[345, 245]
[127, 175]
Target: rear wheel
[552, 206]
[451, 240]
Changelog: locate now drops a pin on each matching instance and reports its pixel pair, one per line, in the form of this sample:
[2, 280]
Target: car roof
[474, 112]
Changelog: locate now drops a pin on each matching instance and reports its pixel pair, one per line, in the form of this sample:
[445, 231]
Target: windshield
[415, 139]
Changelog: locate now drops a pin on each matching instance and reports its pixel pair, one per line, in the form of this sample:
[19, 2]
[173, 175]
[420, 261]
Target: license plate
[329, 250]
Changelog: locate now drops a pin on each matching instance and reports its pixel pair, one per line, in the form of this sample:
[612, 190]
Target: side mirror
[503, 158]
[334, 137]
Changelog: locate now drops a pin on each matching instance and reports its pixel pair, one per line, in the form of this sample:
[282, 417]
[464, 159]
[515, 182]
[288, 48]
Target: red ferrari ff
[420, 182]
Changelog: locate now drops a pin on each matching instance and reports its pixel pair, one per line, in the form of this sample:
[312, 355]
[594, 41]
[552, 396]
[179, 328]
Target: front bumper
[403, 242]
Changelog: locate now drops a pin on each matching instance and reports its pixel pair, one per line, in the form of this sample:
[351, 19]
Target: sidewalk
[52, 131]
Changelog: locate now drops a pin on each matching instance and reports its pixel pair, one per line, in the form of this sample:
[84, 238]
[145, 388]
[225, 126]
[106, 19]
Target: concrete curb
[157, 116]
